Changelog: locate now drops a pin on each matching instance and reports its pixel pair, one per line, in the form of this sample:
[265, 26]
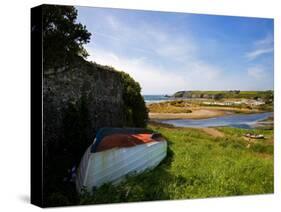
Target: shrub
[136, 114]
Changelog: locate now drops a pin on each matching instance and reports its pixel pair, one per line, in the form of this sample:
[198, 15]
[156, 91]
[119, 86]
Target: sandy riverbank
[186, 111]
[195, 114]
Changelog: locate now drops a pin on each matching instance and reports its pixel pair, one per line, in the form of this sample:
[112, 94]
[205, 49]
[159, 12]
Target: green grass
[241, 94]
[198, 166]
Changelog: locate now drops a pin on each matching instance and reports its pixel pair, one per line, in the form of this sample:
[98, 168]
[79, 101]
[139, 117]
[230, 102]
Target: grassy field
[170, 107]
[199, 165]
[188, 106]
[241, 94]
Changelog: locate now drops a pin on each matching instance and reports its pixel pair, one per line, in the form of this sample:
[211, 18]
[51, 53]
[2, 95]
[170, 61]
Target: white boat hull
[114, 164]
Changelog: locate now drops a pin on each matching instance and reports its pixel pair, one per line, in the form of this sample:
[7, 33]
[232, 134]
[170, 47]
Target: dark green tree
[268, 97]
[63, 37]
[218, 96]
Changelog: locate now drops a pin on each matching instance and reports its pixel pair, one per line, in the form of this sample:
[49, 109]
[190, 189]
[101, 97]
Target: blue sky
[168, 52]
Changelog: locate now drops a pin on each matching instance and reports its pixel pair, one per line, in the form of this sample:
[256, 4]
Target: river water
[245, 121]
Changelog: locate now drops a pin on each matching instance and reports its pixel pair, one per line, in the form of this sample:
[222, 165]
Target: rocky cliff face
[86, 96]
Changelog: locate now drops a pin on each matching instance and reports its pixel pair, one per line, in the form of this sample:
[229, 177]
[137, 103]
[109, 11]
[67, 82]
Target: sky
[167, 52]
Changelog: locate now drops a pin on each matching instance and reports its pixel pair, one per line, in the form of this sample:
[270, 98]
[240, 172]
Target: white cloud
[204, 71]
[112, 22]
[182, 68]
[151, 78]
[176, 50]
[257, 73]
[150, 38]
[261, 47]
[258, 52]
[162, 45]
[267, 40]
[185, 72]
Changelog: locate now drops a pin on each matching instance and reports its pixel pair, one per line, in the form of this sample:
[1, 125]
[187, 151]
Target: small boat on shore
[254, 136]
[118, 152]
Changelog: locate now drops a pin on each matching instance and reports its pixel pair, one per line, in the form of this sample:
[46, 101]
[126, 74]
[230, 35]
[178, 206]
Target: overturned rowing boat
[254, 136]
[117, 152]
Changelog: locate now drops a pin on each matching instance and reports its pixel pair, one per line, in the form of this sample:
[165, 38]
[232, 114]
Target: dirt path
[213, 132]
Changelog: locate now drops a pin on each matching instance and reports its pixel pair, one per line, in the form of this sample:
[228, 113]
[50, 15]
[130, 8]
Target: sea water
[155, 98]
[246, 121]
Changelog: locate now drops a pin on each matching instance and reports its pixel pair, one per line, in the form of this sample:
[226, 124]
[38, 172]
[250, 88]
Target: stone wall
[100, 87]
